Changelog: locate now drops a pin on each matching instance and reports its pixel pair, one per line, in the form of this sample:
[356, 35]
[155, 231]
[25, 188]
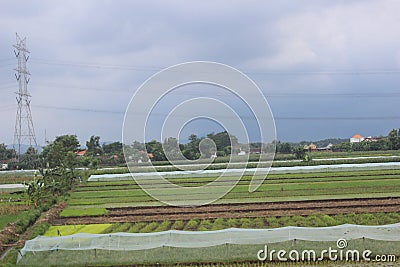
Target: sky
[327, 68]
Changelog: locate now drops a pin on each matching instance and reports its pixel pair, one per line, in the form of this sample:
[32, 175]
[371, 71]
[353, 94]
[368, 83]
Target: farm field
[97, 197]
[315, 220]
[308, 199]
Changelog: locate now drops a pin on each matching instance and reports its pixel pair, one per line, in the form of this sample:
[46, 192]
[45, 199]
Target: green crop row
[71, 212]
[329, 175]
[317, 220]
[269, 188]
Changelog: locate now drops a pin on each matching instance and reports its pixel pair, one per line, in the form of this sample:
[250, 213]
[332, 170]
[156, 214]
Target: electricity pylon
[24, 130]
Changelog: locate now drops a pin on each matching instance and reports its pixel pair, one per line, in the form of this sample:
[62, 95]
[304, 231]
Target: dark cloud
[92, 55]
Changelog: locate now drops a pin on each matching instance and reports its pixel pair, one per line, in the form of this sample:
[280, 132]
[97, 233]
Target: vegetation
[88, 197]
[83, 211]
[62, 151]
[317, 220]
[64, 230]
[57, 178]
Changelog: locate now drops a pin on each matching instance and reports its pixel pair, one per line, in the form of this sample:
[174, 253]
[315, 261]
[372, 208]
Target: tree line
[63, 151]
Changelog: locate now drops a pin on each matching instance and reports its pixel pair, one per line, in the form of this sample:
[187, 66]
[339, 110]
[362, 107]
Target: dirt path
[330, 207]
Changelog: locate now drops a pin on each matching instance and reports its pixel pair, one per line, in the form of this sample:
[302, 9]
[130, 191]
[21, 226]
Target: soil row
[248, 210]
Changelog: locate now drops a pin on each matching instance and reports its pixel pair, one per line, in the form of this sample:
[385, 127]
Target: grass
[9, 218]
[11, 211]
[71, 212]
[64, 230]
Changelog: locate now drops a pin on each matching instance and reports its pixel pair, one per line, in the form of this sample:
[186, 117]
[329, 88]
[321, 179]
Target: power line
[93, 65]
[276, 118]
[297, 94]
[152, 68]
[78, 109]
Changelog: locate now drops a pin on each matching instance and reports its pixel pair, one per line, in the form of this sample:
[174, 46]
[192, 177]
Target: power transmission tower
[24, 131]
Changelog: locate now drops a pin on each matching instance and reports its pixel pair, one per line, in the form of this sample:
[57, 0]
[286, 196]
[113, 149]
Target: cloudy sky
[327, 68]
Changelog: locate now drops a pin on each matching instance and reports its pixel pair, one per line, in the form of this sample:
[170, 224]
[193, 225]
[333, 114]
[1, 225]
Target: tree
[394, 139]
[60, 153]
[29, 160]
[139, 146]
[35, 191]
[283, 148]
[299, 152]
[171, 149]
[6, 153]
[223, 140]
[156, 149]
[113, 148]
[193, 138]
[191, 150]
[93, 145]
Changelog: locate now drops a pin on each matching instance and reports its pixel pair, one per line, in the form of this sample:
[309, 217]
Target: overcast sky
[327, 68]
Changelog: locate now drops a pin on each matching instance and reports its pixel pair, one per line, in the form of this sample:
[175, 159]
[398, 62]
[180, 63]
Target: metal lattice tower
[24, 131]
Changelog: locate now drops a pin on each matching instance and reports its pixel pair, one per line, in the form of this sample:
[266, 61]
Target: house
[371, 139]
[255, 150]
[357, 138]
[4, 164]
[326, 148]
[311, 147]
[242, 153]
[81, 153]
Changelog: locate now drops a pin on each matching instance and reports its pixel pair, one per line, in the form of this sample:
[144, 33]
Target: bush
[164, 226]
[219, 224]
[191, 225]
[272, 222]
[150, 227]
[297, 221]
[39, 229]
[136, 227]
[329, 221]
[205, 225]
[233, 223]
[245, 223]
[258, 223]
[178, 225]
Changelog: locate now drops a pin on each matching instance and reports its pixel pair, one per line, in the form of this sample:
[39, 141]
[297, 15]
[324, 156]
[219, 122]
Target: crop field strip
[291, 186]
[315, 220]
[253, 210]
[277, 178]
[223, 165]
[272, 178]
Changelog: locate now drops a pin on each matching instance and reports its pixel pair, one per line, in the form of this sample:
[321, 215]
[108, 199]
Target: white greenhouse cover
[248, 171]
[198, 239]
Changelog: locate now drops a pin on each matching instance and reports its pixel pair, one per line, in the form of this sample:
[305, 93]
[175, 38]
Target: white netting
[248, 171]
[201, 239]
